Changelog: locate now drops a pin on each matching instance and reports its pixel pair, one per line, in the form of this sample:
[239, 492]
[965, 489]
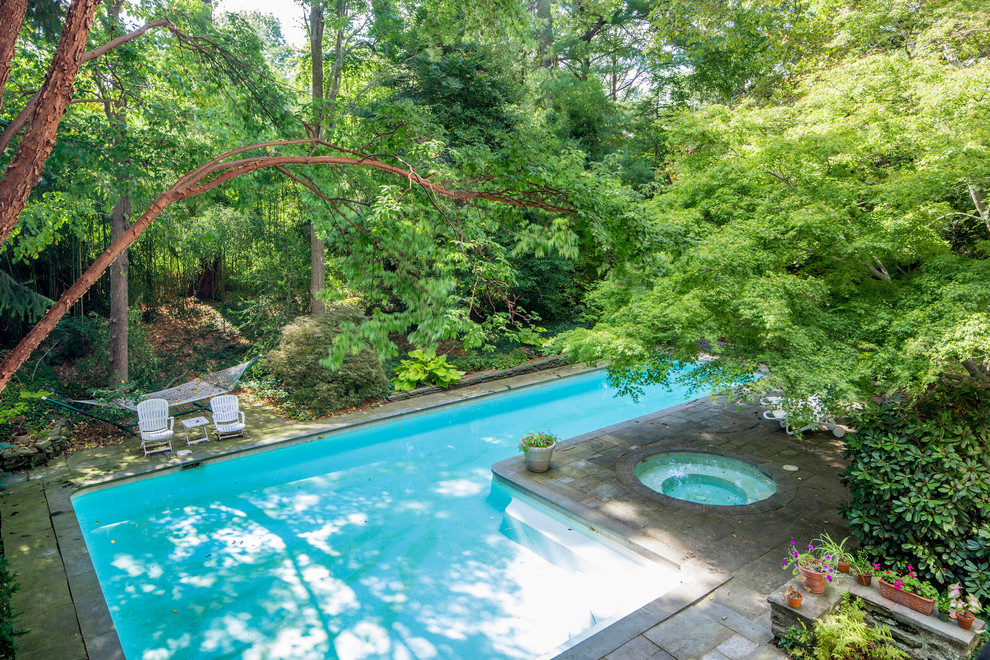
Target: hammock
[204, 387]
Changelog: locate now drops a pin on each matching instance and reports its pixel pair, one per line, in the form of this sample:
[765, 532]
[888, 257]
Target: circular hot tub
[705, 478]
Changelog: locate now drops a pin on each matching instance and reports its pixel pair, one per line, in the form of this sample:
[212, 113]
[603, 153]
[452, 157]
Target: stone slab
[704, 634]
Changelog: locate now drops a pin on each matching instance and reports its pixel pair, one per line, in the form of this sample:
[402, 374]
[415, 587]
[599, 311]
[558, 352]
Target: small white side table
[195, 423]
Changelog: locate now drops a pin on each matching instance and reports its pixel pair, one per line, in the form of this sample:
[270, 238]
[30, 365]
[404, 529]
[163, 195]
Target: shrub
[844, 634]
[919, 490]
[425, 366]
[8, 619]
[304, 343]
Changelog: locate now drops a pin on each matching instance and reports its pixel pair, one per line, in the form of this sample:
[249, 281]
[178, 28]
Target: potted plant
[537, 447]
[966, 608]
[793, 596]
[863, 568]
[830, 549]
[19, 434]
[908, 590]
[813, 570]
[943, 605]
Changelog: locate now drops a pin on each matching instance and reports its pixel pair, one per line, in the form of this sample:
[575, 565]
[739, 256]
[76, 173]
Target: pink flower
[828, 577]
[910, 567]
[811, 547]
[793, 542]
[783, 562]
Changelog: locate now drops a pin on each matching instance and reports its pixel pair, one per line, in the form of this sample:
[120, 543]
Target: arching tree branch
[218, 171]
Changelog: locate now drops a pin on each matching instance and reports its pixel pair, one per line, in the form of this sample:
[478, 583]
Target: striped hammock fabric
[204, 387]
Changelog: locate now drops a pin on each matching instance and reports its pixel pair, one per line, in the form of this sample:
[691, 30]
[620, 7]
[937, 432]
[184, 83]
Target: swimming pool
[385, 541]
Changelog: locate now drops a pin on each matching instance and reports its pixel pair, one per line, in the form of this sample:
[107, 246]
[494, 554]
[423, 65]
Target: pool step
[566, 546]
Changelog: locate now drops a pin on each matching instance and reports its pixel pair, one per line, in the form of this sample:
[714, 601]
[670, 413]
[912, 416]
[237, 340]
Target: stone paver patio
[729, 561]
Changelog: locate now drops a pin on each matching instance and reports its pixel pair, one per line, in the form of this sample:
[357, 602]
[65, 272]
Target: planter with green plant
[965, 608]
[537, 447]
[943, 605]
[906, 589]
[828, 548]
[793, 596]
[863, 568]
[813, 569]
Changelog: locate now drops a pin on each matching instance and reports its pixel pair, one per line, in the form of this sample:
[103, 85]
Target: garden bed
[921, 636]
[486, 376]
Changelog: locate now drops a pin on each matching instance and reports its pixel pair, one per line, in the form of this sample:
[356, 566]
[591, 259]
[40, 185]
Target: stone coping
[67, 590]
[786, 485]
[376, 416]
[486, 377]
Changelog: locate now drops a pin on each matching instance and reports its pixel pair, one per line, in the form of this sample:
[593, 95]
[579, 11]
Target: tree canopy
[795, 185]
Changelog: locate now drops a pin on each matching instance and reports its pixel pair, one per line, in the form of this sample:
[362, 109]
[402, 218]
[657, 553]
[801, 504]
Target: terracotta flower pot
[813, 581]
[964, 619]
[794, 599]
[906, 598]
[538, 458]
[865, 580]
[843, 566]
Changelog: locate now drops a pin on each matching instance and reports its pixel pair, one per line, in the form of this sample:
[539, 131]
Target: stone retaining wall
[55, 441]
[484, 377]
[920, 636]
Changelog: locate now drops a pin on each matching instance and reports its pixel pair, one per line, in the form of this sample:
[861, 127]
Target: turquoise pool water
[705, 478]
[386, 541]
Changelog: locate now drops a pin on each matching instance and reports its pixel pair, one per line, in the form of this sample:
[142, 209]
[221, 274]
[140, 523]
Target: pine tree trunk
[25, 167]
[11, 19]
[120, 222]
[317, 249]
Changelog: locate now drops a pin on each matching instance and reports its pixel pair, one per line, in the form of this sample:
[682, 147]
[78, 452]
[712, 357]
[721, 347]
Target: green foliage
[12, 415]
[475, 361]
[717, 51]
[19, 301]
[425, 366]
[918, 486]
[844, 635]
[296, 363]
[8, 618]
[581, 113]
[817, 234]
[546, 286]
[796, 642]
[468, 92]
[88, 339]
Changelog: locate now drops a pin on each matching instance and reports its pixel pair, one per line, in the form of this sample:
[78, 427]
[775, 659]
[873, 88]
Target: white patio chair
[155, 425]
[228, 420]
[819, 419]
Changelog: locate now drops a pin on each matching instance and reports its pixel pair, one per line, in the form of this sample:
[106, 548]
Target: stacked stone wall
[922, 637]
[55, 441]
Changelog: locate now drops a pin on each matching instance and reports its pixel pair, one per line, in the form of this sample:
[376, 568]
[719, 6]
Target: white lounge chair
[818, 418]
[228, 420]
[155, 425]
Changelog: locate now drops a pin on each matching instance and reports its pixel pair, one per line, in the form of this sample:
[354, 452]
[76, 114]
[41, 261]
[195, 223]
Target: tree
[832, 236]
